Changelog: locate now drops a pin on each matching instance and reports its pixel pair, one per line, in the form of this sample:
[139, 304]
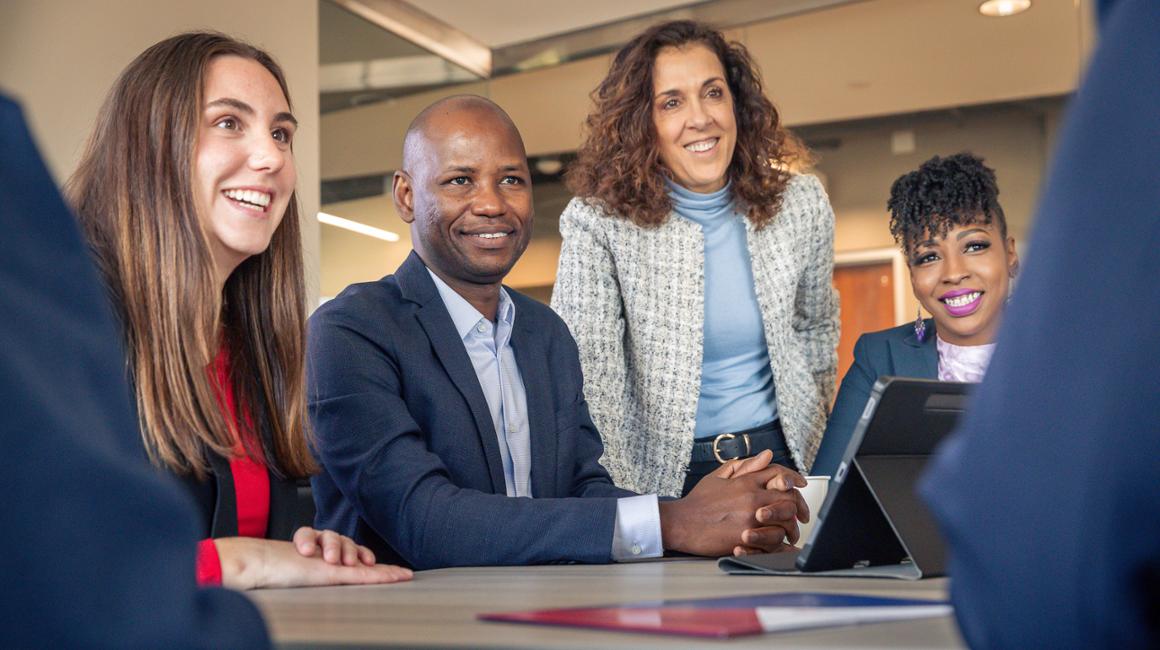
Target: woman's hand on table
[250, 563]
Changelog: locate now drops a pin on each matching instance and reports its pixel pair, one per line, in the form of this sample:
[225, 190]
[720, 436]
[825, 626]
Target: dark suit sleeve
[97, 548]
[1049, 494]
[375, 453]
[852, 396]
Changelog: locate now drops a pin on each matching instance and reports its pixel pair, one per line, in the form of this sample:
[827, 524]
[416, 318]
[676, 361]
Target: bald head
[450, 116]
[466, 190]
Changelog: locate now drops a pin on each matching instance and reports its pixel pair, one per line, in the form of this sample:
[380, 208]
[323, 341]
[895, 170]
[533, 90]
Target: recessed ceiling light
[360, 228]
[1002, 8]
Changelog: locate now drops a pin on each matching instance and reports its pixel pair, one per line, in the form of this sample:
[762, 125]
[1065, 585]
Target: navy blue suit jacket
[411, 462]
[897, 352]
[1049, 494]
[97, 548]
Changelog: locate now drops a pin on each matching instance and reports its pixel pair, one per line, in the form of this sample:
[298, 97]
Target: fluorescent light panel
[1003, 8]
[360, 228]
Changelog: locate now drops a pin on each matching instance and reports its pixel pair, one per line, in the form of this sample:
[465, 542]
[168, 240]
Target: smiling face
[243, 172]
[692, 112]
[466, 191]
[963, 280]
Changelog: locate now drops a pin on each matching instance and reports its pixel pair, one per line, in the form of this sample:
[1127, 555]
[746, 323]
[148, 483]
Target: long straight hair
[134, 197]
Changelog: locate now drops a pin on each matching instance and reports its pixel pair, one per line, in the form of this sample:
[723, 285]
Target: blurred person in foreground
[98, 549]
[1049, 493]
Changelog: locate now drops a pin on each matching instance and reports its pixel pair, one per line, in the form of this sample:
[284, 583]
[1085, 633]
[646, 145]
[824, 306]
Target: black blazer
[411, 462]
[217, 504]
[896, 351]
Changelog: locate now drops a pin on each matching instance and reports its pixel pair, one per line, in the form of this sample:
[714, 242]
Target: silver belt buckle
[729, 436]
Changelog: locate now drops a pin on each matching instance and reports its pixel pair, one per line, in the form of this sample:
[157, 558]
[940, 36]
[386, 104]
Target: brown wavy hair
[133, 195]
[618, 164]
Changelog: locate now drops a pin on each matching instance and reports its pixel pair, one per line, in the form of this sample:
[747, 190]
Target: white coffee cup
[814, 495]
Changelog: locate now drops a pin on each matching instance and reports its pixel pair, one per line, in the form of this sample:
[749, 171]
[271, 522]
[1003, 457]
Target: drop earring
[920, 327]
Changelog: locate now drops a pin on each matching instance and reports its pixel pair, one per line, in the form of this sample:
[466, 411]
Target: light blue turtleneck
[737, 389]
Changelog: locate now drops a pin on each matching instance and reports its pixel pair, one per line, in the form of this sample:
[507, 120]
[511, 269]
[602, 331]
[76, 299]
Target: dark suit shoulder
[362, 299]
[900, 333]
[375, 310]
[874, 347]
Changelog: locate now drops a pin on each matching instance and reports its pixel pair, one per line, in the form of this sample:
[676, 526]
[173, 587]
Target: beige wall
[1014, 140]
[885, 57]
[59, 58]
[855, 62]
[865, 59]
[547, 105]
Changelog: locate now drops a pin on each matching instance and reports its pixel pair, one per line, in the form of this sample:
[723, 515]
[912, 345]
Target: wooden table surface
[437, 609]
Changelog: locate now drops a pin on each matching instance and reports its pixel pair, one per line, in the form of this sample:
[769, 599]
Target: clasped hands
[313, 558]
[745, 506]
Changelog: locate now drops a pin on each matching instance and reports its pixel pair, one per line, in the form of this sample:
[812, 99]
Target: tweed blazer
[634, 300]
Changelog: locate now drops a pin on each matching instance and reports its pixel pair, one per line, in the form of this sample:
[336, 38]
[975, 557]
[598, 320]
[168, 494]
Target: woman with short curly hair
[696, 269]
[946, 217]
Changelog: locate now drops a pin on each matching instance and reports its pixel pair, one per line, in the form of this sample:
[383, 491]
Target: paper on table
[783, 619]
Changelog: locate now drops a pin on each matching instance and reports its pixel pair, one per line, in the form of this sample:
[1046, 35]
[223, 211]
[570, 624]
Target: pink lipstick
[962, 302]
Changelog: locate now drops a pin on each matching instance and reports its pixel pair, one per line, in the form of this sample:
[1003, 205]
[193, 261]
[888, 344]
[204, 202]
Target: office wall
[859, 166]
[856, 61]
[848, 67]
[59, 58]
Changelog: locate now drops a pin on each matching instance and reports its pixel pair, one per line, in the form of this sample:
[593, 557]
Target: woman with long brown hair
[696, 269]
[186, 195]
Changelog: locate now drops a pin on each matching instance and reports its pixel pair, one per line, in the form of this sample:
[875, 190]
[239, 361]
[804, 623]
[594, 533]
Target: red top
[251, 482]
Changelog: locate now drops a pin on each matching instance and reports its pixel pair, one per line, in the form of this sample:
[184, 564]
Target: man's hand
[249, 563]
[745, 504]
[784, 480]
[769, 537]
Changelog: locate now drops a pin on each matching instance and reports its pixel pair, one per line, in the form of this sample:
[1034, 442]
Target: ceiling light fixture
[360, 228]
[1003, 8]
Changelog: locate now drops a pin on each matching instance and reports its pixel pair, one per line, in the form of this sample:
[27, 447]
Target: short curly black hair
[941, 194]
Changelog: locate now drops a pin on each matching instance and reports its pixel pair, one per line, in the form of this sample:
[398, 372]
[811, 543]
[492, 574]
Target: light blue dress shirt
[637, 531]
[737, 390]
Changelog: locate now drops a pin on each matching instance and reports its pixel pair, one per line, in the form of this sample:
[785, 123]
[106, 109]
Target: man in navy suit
[441, 399]
[1049, 494]
[98, 549]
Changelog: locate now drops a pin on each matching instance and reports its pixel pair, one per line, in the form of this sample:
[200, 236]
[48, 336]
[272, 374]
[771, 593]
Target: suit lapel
[416, 285]
[225, 512]
[912, 358]
[532, 357]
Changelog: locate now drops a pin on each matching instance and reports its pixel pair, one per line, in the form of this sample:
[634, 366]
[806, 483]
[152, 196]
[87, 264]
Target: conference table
[438, 609]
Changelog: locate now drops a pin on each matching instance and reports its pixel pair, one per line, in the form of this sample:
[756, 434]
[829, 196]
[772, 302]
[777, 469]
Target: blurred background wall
[874, 87]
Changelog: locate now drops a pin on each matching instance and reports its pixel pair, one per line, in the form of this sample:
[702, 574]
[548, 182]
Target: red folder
[733, 616]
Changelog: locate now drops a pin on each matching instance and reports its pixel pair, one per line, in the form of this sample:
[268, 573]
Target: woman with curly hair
[696, 271]
[946, 217]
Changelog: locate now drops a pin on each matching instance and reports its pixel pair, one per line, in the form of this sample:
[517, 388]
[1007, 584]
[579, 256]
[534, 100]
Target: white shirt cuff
[637, 533]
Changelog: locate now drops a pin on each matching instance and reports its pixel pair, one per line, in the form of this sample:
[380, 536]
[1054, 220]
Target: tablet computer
[872, 523]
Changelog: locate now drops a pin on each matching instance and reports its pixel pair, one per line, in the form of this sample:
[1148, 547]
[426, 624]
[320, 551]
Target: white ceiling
[496, 24]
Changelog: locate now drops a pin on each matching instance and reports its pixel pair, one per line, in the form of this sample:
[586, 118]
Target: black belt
[741, 444]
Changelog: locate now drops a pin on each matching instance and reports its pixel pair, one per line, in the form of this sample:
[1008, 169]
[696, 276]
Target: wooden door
[867, 298]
